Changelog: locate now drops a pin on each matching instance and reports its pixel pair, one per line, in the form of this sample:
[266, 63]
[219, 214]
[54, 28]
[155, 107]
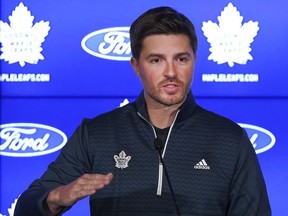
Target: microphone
[159, 146]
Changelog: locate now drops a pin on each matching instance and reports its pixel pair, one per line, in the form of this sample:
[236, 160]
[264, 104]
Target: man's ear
[135, 66]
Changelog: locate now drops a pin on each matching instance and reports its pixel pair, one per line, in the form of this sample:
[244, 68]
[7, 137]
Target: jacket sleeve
[248, 195]
[72, 162]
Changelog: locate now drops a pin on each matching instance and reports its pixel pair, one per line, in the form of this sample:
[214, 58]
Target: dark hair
[160, 20]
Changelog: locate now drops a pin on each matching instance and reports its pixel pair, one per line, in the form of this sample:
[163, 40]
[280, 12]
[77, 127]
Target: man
[210, 167]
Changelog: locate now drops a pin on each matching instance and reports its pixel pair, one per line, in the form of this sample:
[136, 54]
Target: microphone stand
[158, 146]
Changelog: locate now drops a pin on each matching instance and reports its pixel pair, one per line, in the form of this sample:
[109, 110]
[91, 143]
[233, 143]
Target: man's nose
[170, 69]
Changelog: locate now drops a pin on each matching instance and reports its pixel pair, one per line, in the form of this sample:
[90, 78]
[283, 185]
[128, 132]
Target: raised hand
[82, 187]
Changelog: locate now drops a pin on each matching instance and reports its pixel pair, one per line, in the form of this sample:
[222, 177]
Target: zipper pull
[160, 179]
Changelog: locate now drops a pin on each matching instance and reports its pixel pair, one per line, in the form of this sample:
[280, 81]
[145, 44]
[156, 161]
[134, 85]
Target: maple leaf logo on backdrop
[21, 40]
[11, 209]
[230, 40]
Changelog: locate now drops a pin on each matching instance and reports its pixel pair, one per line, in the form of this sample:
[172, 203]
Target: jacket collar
[186, 110]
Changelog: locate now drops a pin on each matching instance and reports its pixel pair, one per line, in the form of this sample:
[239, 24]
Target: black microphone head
[158, 144]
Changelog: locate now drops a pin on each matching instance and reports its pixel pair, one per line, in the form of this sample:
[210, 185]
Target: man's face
[165, 67]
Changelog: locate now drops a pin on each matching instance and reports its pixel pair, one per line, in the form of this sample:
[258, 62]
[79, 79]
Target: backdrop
[62, 61]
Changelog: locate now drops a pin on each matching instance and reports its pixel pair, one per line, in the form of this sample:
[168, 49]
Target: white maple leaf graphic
[125, 102]
[11, 209]
[230, 40]
[21, 40]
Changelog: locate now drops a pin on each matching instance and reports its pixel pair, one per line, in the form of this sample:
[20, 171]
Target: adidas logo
[202, 165]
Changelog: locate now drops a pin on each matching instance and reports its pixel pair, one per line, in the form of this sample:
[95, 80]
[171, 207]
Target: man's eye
[182, 59]
[155, 60]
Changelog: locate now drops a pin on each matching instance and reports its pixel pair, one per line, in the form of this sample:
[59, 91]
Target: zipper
[160, 169]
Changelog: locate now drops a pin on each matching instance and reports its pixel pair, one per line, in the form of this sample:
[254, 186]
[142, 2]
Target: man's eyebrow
[177, 54]
[151, 55]
[183, 53]
[159, 55]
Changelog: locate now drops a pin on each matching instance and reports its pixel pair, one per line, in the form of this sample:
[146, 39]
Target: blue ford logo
[261, 139]
[110, 43]
[29, 139]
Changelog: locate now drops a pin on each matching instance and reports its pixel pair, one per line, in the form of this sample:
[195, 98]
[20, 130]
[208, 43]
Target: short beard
[168, 100]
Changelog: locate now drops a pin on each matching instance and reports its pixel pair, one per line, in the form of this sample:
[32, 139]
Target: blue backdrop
[59, 65]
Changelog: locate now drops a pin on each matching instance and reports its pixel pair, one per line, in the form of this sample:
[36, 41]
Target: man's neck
[162, 116]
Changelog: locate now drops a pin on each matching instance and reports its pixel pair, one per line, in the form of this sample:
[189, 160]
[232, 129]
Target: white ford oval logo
[110, 43]
[261, 139]
[30, 139]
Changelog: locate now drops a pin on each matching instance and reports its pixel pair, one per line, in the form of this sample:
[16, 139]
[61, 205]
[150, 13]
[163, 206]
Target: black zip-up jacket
[211, 163]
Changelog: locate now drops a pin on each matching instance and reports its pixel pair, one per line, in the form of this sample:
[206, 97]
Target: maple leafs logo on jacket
[21, 40]
[122, 160]
[230, 40]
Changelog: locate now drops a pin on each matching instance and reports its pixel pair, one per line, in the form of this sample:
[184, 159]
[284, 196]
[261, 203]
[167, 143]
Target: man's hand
[82, 187]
